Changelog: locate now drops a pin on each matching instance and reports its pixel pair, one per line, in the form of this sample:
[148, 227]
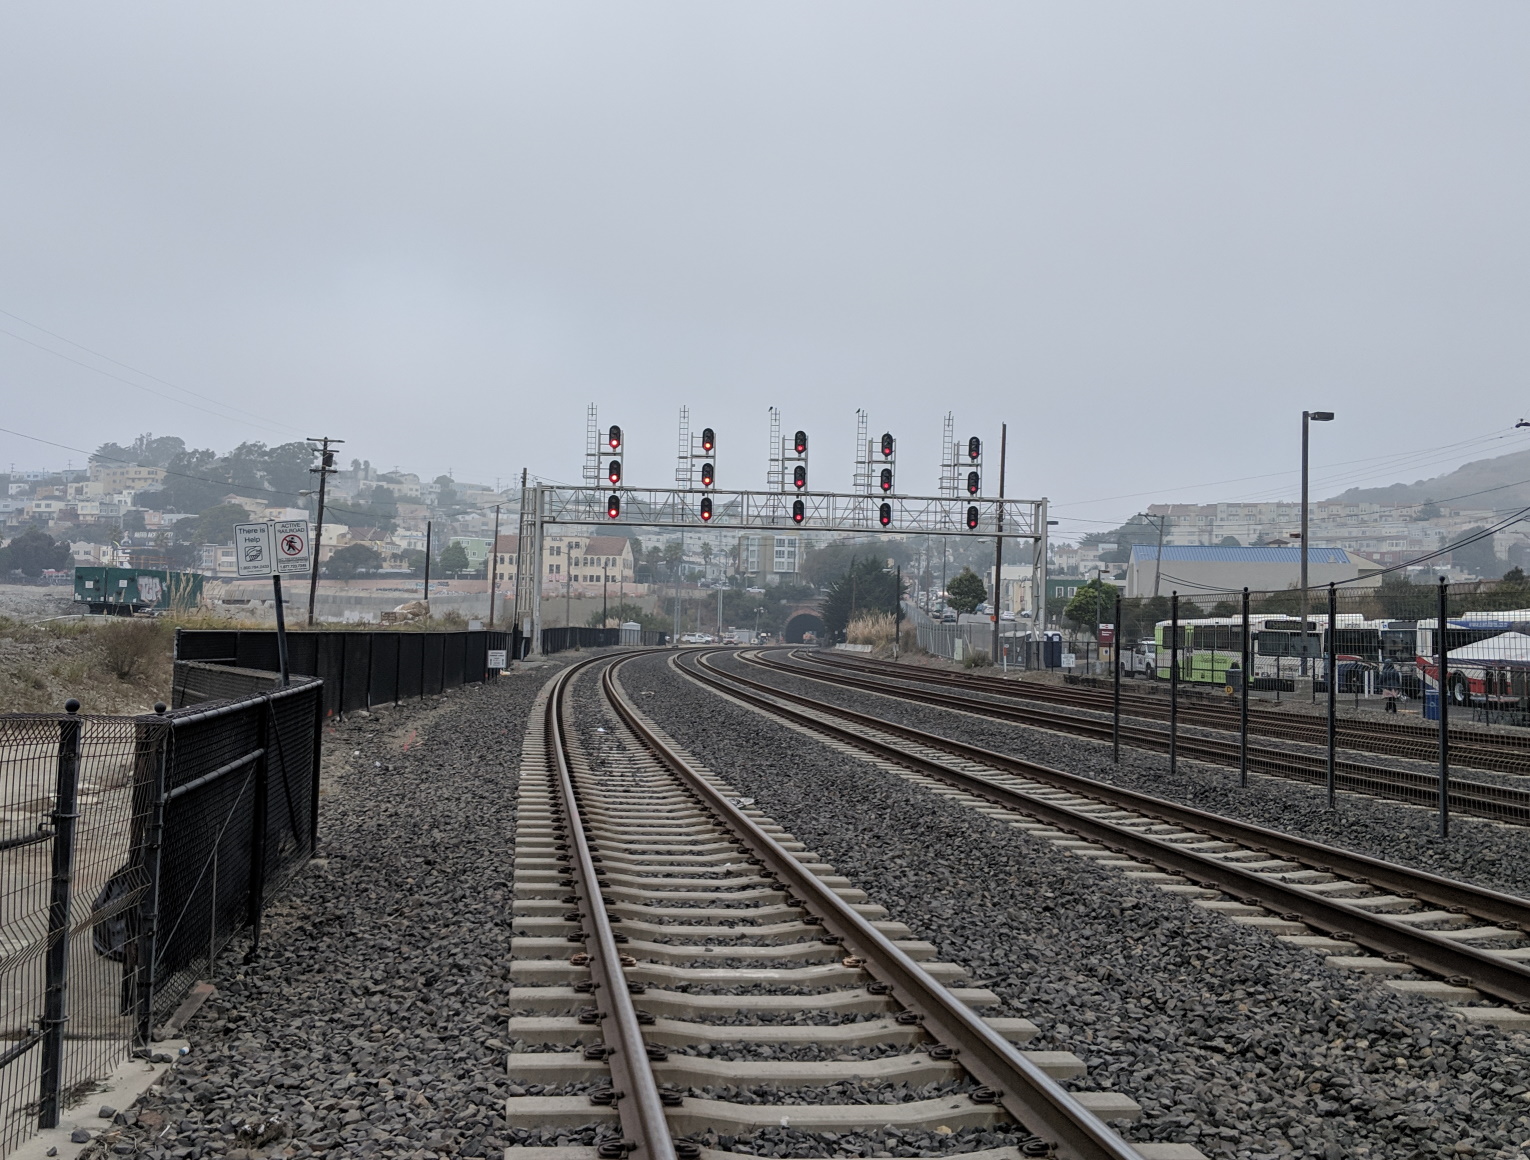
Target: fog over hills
[1501, 483]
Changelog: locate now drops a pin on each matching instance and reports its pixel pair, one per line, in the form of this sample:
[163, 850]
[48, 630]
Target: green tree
[1092, 604]
[33, 552]
[446, 495]
[349, 562]
[215, 525]
[966, 591]
[622, 613]
[454, 559]
[414, 560]
[1476, 557]
[866, 586]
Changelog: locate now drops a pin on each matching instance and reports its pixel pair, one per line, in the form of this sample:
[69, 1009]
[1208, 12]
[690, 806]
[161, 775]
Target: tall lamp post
[1307, 417]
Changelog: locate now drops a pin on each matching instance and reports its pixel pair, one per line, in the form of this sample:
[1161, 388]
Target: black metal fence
[555, 640]
[359, 669]
[133, 850]
[1400, 690]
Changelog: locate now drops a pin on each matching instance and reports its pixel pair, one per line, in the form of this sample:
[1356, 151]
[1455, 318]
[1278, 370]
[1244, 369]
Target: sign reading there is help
[252, 549]
[292, 547]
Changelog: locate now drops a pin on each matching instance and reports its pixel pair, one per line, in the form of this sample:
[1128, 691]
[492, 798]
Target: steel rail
[1035, 1100]
[639, 1108]
[1483, 799]
[1506, 753]
[1505, 979]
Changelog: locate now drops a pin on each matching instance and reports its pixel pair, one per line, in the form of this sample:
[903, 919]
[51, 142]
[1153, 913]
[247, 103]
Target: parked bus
[1487, 653]
[1210, 646]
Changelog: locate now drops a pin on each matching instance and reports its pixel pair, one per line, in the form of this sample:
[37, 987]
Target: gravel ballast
[1229, 1040]
[1477, 850]
[371, 1025]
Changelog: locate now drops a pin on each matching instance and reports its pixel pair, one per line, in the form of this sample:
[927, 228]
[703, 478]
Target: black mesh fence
[1415, 692]
[359, 669]
[555, 640]
[133, 850]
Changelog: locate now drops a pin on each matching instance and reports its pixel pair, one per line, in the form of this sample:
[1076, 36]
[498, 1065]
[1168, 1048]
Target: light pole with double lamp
[1307, 417]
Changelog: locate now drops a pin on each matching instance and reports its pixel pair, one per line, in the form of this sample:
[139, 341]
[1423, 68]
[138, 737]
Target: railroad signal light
[614, 507]
[706, 508]
[886, 479]
[974, 448]
[799, 477]
[614, 472]
[972, 517]
[884, 514]
[799, 442]
[708, 439]
[707, 475]
[887, 445]
[615, 438]
[799, 511]
[973, 483]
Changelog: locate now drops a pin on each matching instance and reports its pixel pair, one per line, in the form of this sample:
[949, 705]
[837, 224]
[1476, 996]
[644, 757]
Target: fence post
[1174, 683]
[371, 651]
[1115, 708]
[257, 900]
[1247, 661]
[148, 923]
[1444, 703]
[318, 756]
[1333, 692]
[65, 814]
[339, 692]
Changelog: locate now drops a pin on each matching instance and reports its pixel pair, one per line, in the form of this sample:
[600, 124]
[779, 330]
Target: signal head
[973, 484]
[972, 517]
[707, 475]
[887, 445]
[886, 479]
[799, 511]
[799, 477]
[974, 448]
[613, 507]
[799, 442]
[884, 514]
[706, 508]
[614, 471]
[615, 438]
[708, 439]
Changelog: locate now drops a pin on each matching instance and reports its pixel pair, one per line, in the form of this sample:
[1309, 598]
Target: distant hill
[1479, 484]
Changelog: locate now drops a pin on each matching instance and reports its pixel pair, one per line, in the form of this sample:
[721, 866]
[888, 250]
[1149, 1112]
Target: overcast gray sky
[1144, 235]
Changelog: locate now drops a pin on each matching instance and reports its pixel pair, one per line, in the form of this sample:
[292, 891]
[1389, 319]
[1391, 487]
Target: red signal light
[974, 448]
[884, 514]
[615, 438]
[799, 442]
[614, 507]
[972, 517]
[799, 477]
[708, 439]
[614, 472]
[706, 475]
[886, 479]
[972, 483]
[887, 446]
[799, 511]
[706, 508]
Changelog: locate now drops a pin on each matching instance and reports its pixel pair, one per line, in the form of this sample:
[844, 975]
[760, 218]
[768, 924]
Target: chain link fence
[134, 849]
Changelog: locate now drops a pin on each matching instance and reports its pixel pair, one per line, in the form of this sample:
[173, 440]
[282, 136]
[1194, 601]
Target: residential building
[767, 555]
[572, 559]
[115, 477]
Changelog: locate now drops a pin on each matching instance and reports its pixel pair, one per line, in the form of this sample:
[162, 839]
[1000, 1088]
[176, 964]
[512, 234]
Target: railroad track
[684, 972]
[1481, 799]
[1427, 935]
[1505, 753]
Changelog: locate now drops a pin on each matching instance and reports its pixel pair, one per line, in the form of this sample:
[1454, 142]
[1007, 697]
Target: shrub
[976, 659]
[130, 645]
[873, 628]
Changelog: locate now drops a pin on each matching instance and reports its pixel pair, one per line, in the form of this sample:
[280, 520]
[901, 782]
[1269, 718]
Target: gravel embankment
[372, 1023]
[1478, 850]
[1230, 1040]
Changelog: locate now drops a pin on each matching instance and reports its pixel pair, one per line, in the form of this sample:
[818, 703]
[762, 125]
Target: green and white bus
[1210, 646]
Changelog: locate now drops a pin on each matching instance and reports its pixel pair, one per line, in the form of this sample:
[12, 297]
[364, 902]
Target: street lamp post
[1313, 417]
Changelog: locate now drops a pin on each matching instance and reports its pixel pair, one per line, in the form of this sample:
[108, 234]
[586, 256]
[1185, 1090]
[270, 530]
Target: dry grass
[43, 665]
[131, 646]
[874, 628]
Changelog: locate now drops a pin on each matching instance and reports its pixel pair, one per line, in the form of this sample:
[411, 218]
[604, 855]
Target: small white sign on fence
[498, 657]
[1069, 660]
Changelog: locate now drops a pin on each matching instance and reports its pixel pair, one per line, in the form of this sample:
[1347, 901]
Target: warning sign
[290, 539]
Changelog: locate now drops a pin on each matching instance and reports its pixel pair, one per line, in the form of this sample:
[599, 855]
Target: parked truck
[1142, 661]
[131, 591]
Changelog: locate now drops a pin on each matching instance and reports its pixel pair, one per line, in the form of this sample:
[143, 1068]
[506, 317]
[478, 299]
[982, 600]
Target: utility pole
[493, 565]
[325, 469]
[427, 567]
[1158, 559]
[998, 543]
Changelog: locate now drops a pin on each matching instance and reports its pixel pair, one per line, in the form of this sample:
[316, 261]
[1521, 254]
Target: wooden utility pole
[325, 469]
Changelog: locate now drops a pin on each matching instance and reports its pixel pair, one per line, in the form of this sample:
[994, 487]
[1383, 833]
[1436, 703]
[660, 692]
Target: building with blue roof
[1195, 569]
